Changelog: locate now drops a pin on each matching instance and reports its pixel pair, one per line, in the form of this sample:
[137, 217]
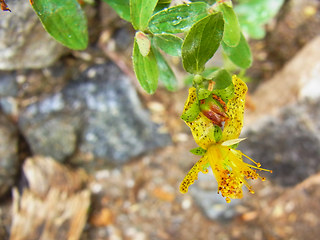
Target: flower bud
[214, 108]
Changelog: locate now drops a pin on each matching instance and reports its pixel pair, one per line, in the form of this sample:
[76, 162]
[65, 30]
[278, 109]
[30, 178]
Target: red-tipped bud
[214, 108]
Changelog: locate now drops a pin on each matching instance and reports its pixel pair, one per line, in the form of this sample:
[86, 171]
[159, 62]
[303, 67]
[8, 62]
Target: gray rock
[9, 106]
[8, 154]
[213, 205]
[23, 41]
[288, 144]
[8, 85]
[96, 120]
[8, 92]
[55, 137]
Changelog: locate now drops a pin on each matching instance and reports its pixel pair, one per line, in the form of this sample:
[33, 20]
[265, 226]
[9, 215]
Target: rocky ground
[76, 129]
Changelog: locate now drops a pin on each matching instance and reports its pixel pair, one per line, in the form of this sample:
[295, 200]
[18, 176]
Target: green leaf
[202, 42]
[256, 13]
[122, 7]
[140, 12]
[231, 34]
[177, 19]
[239, 55]
[254, 31]
[188, 80]
[199, 151]
[166, 74]
[64, 20]
[208, 1]
[160, 6]
[146, 69]
[223, 87]
[222, 79]
[168, 43]
[192, 113]
[164, 1]
[208, 72]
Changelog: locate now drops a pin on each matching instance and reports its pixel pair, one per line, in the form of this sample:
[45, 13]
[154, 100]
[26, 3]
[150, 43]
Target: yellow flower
[227, 165]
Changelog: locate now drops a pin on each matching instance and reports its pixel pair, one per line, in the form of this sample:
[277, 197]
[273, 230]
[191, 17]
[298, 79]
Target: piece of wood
[53, 206]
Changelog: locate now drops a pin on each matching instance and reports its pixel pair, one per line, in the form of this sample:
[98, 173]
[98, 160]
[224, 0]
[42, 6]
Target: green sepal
[177, 19]
[199, 151]
[146, 69]
[64, 20]
[201, 42]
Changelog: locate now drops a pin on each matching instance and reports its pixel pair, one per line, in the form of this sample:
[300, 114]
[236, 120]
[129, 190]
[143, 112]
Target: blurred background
[86, 154]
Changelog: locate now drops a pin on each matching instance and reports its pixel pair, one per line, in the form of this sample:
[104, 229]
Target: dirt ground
[141, 199]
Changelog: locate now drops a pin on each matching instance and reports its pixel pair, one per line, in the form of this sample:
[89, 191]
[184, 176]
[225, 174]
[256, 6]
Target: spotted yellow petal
[201, 127]
[200, 166]
[235, 111]
[231, 171]
[203, 131]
